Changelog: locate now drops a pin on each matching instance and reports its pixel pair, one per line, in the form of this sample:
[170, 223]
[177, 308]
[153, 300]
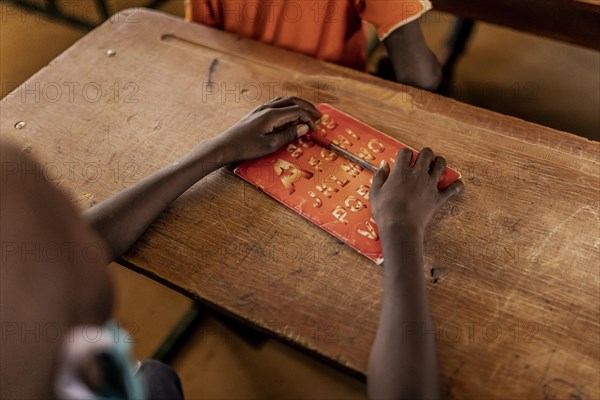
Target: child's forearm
[414, 63]
[121, 219]
[403, 362]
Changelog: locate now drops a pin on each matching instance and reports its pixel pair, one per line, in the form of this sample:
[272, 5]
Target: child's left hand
[267, 128]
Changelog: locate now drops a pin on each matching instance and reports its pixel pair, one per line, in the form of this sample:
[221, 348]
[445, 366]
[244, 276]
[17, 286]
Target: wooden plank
[573, 21]
[516, 303]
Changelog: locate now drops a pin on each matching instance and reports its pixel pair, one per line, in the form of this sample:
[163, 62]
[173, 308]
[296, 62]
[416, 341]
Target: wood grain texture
[573, 21]
[514, 289]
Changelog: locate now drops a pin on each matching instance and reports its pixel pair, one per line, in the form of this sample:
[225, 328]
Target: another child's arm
[403, 363]
[414, 63]
[121, 219]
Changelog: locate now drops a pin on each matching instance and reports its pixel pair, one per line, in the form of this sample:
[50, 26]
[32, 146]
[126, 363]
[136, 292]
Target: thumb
[301, 130]
[455, 188]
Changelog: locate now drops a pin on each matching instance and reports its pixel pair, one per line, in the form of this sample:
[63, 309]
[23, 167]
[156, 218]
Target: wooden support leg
[457, 42]
[187, 325]
[102, 9]
[179, 335]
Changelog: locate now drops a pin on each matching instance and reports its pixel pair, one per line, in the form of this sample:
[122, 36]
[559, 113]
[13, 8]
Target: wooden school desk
[512, 264]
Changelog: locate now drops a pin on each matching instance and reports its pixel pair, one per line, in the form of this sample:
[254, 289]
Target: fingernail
[301, 130]
[382, 164]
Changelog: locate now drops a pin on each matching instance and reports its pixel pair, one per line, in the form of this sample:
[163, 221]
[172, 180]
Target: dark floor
[536, 79]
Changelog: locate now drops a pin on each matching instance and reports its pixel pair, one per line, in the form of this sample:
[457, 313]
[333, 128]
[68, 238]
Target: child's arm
[48, 279]
[121, 219]
[414, 64]
[403, 363]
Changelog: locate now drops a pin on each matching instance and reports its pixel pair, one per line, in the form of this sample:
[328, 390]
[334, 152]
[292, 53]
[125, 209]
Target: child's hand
[406, 198]
[267, 128]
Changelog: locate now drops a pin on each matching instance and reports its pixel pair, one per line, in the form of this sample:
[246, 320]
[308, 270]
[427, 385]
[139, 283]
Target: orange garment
[330, 30]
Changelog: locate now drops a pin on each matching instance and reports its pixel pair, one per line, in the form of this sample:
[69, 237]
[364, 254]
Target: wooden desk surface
[573, 21]
[514, 293]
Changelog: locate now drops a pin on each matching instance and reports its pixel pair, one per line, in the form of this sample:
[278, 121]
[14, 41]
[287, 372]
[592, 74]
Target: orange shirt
[330, 30]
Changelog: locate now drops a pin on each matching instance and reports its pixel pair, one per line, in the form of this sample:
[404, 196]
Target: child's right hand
[405, 198]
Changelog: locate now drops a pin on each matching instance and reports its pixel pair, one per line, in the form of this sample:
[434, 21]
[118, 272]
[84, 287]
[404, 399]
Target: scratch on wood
[223, 221]
[211, 71]
[255, 244]
[130, 117]
[504, 195]
[559, 227]
[247, 296]
[434, 272]
[367, 308]
[553, 352]
[112, 158]
[87, 197]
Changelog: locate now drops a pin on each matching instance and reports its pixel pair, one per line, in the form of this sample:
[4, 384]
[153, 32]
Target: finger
[308, 106]
[438, 168]
[310, 122]
[294, 101]
[424, 159]
[380, 176]
[455, 188]
[286, 115]
[404, 157]
[286, 135]
[266, 105]
[402, 165]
